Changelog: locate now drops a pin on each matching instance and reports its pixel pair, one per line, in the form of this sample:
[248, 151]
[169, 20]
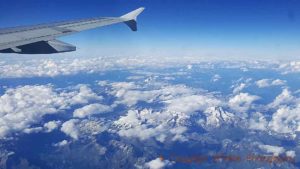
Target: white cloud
[286, 120]
[32, 130]
[4, 155]
[268, 82]
[61, 143]
[242, 102]
[275, 150]
[290, 67]
[131, 97]
[239, 88]
[189, 67]
[51, 125]
[285, 98]
[24, 106]
[91, 109]
[258, 122]
[129, 93]
[158, 163]
[70, 128]
[189, 104]
[124, 85]
[240, 84]
[180, 103]
[48, 127]
[147, 124]
[70, 65]
[91, 127]
[263, 83]
[169, 92]
[76, 128]
[216, 78]
[278, 82]
[84, 95]
[52, 67]
[291, 154]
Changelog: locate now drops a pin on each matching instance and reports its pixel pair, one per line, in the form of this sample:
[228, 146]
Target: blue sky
[259, 29]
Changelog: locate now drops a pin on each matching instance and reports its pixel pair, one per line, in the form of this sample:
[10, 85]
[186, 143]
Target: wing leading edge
[41, 39]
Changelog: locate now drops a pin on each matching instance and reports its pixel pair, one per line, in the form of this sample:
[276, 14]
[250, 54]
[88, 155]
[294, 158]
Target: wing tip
[133, 14]
[130, 19]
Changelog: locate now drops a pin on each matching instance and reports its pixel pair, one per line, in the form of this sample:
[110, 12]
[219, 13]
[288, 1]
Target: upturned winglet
[130, 19]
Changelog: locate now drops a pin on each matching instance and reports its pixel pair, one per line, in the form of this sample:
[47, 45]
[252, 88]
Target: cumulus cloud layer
[183, 102]
[171, 122]
[148, 108]
[146, 124]
[129, 93]
[69, 66]
[56, 67]
[24, 106]
[290, 67]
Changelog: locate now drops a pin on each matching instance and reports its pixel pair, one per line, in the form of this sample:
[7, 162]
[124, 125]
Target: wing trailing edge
[42, 47]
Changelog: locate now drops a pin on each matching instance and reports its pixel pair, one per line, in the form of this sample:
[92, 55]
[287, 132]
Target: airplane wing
[41, 39]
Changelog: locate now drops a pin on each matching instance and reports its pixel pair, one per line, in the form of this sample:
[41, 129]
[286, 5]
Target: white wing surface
[41, 39]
